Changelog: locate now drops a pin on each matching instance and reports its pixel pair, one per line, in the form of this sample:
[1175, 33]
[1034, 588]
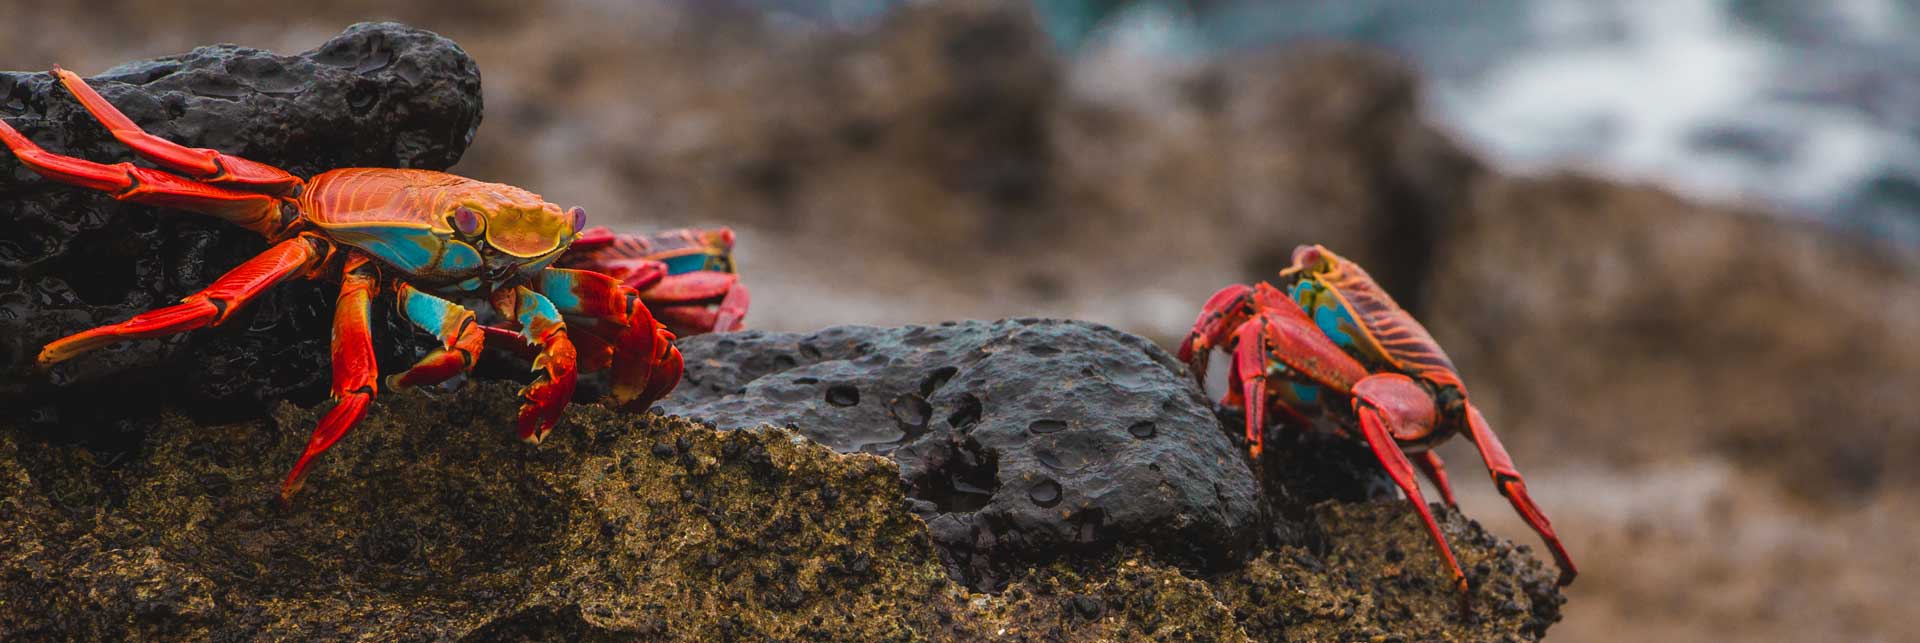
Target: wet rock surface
[430, 522]
[377, 95]
[1018, 439]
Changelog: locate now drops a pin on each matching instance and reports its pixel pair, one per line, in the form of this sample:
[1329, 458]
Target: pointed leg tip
[289, 489]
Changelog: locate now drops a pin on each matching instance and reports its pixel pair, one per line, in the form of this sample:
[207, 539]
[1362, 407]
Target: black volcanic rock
[1019, 439]
[430, 522]
[378, 95]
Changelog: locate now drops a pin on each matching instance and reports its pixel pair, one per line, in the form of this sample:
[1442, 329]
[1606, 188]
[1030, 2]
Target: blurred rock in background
[1712, 401]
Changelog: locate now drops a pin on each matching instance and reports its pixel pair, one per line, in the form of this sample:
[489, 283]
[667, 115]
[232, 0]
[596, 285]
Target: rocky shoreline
[1014, 480]
[431, 523]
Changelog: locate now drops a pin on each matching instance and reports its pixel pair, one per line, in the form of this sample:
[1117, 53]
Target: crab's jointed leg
[1436, 471]
[460, 337]
[1390, 404]
[644, 361]
[257, 212]
[1249, 362]
[1507, 478]
[209, 307]
[540, 323]
[209, 166]
[354, 370]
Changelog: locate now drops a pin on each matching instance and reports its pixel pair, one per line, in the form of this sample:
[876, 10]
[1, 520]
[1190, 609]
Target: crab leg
[1389, 404]
[460, 337]
[1507, 478]
[257, 212]
[645, 363]
[1249, 360]
[209, 307]
[1436, 471]
[354, 370]
[206, 165]
[680, 298]
[540, 323]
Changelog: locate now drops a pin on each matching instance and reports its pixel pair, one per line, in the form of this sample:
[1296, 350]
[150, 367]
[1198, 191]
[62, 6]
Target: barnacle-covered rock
[430, 522]
[378, 95]
[1019, 439]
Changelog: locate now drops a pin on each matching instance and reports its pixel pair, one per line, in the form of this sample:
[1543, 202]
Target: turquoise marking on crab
[409, 249]
[428, 312]
[683, 264]
[1333, 319]
[559, 289]
[534, 307]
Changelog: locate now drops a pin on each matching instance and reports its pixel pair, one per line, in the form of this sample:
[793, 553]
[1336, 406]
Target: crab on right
[685, 276]
[1329, 348]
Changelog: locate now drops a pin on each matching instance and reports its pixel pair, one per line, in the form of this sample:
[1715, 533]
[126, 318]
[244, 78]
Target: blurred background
[1674, 246]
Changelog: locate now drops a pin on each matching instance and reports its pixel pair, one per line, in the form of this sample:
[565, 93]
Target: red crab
[685, 276]
[424, 237]
[1330, 348]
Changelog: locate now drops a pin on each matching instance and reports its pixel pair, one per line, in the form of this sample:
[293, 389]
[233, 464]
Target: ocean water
[1812, 108]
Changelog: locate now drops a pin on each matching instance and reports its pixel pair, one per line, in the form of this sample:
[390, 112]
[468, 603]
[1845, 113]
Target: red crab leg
[733, 308]
[1249, 360]
[1507, 478]
[206, 165]
[646, 366]
[257, 212]
[509, 340]
[1390, 404]
[354, 370]
[694, 289]
[549, 393]
[1436, 471]
[638, 274]
[460, 337]
[209, 307]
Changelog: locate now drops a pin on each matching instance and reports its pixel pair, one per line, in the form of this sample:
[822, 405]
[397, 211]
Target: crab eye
[578, 216]
[466, 221]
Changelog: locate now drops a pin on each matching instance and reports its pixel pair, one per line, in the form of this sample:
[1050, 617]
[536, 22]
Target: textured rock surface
[1019, 438]
[381, 95]
[431, 523]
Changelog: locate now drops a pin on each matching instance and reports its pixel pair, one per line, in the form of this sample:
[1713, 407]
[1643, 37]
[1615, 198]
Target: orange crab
[1329, 348]
[424, 237]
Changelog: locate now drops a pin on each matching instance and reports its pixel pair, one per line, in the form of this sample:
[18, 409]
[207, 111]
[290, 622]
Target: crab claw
[552, 389]
[1223, 312]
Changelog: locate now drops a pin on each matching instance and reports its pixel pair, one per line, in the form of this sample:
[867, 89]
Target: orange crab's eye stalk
[466, 221]
[578, 216]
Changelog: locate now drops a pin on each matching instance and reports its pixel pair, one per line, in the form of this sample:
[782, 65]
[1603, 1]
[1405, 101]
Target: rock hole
[911, 412]
[843, 395]
[362, 97]
[1045, 493]
[937, 379]
[1142, 430]
[961, 480]
[1042, 350]
[1042, 427]
[966, 413]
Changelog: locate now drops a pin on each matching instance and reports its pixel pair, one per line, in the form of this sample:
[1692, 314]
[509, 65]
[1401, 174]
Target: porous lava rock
[377, 95]
[430, 522]
[1019, 439]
